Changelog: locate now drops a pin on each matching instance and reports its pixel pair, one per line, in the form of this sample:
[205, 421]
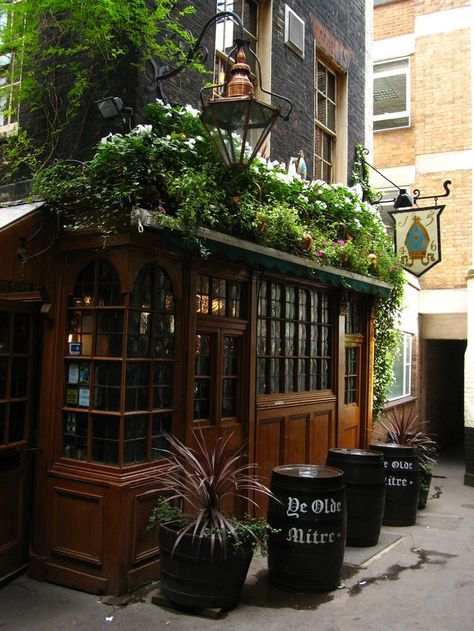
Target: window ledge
[8, 130]
[401, 401]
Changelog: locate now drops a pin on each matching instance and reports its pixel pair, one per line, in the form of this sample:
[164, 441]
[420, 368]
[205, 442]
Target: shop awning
[272, 260]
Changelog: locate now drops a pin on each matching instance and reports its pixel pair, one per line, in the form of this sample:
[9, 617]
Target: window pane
[75, 435]
[163, 386]
[4, 332]
[203, 376]
[105, 439]
[3, 378]
[19, 377]
[135, 439]
[160, 423]
[136, 388]
[109, 333]
[17, 423]
[107, 386]
[21, 333]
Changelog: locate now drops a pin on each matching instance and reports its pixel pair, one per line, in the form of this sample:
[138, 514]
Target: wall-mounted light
[112, 108]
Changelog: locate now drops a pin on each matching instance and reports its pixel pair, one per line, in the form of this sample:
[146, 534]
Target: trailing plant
[203, 479]
[65, 53]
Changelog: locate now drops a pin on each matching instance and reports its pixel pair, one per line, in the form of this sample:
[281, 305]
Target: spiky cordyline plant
[403, 428]
[204, 478]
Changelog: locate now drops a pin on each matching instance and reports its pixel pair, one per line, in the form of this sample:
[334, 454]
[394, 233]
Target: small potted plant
[205, 556]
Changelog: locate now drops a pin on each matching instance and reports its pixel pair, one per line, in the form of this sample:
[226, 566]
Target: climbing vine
[64, 53]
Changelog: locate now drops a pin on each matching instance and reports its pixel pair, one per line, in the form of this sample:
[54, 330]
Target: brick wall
[339, 32]
[394, 18]
[440, 123]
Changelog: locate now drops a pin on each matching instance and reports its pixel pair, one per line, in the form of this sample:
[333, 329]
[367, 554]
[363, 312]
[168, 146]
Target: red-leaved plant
[203, 478]
[403, 428]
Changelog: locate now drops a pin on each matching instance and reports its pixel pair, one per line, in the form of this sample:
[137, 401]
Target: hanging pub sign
[417, 233]
[417, 238]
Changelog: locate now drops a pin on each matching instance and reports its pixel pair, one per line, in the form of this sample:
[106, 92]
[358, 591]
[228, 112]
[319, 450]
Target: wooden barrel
[402, 483]
[307, 552]
[364, 480]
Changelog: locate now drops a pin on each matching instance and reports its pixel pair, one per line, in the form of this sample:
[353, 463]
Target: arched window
[119, 366]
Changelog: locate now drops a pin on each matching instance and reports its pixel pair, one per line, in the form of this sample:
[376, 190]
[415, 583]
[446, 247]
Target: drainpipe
[469, 355]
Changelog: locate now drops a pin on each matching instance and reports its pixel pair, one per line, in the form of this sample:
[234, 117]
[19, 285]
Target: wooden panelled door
[350, 390]
[295, 419]
[16, 450]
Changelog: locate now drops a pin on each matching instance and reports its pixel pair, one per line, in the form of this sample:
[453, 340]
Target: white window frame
[405, 353]
[8, 122]
[406, 113]
[339, 134]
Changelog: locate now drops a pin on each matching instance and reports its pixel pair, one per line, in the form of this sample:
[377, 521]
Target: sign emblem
[417, 240]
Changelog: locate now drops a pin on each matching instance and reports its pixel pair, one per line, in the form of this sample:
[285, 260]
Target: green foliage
[67, 51]
[170, 168]
[204, 479]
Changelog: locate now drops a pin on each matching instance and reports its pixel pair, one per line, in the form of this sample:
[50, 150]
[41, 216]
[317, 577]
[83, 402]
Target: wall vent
[294, 31]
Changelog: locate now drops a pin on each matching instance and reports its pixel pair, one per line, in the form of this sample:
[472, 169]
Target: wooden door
[351, 386]
[16, 449]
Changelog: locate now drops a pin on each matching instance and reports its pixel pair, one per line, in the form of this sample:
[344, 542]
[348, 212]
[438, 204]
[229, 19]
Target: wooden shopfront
[147, 337]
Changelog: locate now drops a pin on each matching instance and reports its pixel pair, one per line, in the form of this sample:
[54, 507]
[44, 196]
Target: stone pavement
[420, 578]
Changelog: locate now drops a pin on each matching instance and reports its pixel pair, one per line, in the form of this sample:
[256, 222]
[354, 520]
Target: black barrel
[402, 483]
[307, 552]
[364, 479]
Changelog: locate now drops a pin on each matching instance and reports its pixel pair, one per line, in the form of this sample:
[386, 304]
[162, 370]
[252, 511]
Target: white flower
[142, 130]
[191, 110]
[190, 142]
[357, 190]
[110, 138]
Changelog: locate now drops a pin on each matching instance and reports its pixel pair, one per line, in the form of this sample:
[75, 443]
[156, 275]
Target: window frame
[98, 416]
[8, 84]
[390, 116]
[405, 353]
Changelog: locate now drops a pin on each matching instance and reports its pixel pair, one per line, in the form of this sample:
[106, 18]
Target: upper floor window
[325, 122]
[391, 94]
[227, 30]
[9, 77]
[402, 369]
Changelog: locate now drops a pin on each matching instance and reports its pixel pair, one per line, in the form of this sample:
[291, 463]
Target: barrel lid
[408, 449]
[355, 452]
[307, 471]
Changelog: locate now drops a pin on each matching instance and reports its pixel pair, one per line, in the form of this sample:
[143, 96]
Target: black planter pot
[191, 578]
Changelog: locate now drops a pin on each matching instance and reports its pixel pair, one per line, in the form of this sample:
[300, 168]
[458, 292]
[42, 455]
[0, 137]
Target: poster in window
[71, 396]
[84, 373]
[84, 397]
[73, 373]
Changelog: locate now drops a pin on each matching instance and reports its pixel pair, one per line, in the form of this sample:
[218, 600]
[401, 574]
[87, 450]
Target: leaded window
[294, 339]
[15, 376]
[119, 366]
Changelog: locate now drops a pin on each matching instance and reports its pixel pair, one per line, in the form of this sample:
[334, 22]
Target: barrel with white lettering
[307, 551]
[402, 483]
[364, 480]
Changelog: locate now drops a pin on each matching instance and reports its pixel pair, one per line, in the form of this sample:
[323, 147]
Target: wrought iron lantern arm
[417, 193]
[195, 53]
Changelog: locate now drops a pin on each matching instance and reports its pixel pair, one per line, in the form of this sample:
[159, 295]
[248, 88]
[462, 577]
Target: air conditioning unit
[294, 31]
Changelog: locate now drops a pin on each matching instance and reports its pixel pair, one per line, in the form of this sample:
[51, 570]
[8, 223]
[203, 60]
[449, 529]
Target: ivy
[65, 53]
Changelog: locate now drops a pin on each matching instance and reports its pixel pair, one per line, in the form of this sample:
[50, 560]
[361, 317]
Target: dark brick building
[66, 413]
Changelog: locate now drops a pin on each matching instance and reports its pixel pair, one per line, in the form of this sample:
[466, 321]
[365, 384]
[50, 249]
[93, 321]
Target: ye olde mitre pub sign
[417, 234]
